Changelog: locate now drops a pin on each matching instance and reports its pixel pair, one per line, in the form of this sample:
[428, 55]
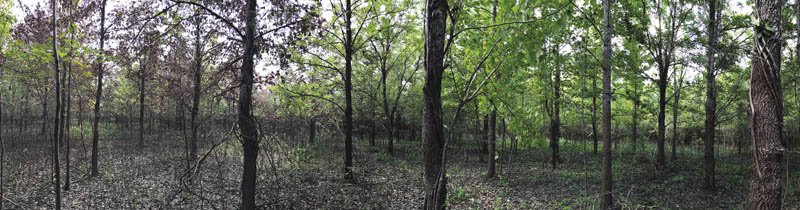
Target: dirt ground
[303, 177]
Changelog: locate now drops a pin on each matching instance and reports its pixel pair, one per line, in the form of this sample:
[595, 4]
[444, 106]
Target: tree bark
[485, 137]
[348, 88]
[711, 98]
[198, 76]
[247, 124]
[594, 112]
[142, 79]
[606, 199]
[675, 108]
[490, 174]
[766, 105]
[635, 114]
[312, 130]
[432, 125]
[99, 95]
[555, 121]
[57, 128]
[662, 103]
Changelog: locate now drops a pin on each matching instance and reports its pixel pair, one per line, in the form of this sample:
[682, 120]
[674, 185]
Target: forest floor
[298, 177]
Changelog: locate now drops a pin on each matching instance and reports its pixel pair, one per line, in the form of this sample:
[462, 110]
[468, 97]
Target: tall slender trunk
[594, 112]
[99, 95]
[492, 143]
[247, 124]
[606, 200]
[348, 87]
[57, 128]
[142, 79]
[555, 120]
[198, 76]
[432, 124]
[711, 98]
[67, 125]
[766, 105]
[635, 114]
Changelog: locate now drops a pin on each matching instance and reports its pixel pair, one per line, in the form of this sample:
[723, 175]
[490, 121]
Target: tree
[490, 174]
[766, 107]
[671, 16]
[198, 76]
[555, 116]
[247, 124]
[57, 128]
[711, 98]
[432, 125]
[99, 95]
[606, 200]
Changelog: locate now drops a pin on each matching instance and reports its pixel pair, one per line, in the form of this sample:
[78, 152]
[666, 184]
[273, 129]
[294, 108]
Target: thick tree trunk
[711, 98]
[99, 95]
[247, 123]
[348, 88]
[766, 105]
[490, 174]
[432, 125]
[606, 199]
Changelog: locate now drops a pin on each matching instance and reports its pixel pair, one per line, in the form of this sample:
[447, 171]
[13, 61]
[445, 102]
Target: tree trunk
[312, 130]
[766, 105]
[594, 113]
[555, 121]
[490, 174]
[99, 95]
[662, 103]
[675, 109]
[247, 123]
[141, 101]
[348, 88]
[635, 114]
[711, 98]
[606, 200]
[432, 125]
[198, 76]
[57, 128]
[485, 138]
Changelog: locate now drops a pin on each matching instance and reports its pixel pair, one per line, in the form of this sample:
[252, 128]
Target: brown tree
[711, 97]
[99, 94]
[492, 143]
[606, 199]
[766, 107]
[432, 125]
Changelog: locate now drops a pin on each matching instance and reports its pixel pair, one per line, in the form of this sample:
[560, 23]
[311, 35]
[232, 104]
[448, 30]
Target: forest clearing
[407, 104]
